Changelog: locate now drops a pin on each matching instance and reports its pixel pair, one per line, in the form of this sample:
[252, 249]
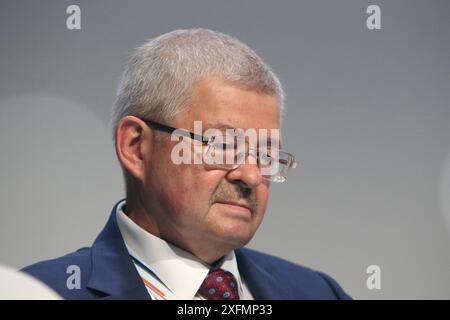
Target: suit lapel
[114, 275]
[261, 283]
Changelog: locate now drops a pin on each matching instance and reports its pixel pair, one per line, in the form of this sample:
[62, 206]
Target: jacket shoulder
[295, 278]
[67, 275]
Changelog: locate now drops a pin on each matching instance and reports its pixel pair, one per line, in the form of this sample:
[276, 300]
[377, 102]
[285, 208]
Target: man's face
[199, 208]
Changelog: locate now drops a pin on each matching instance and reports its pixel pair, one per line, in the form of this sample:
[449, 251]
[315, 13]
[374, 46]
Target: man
[180, 231]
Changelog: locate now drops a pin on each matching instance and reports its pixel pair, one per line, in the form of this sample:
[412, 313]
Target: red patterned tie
[219, 285]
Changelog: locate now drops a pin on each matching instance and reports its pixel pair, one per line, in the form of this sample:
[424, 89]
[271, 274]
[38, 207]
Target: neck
[201, 248]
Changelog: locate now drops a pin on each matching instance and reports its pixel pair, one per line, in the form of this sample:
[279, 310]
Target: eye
[265, 159]
[224, 142]
[224, 146]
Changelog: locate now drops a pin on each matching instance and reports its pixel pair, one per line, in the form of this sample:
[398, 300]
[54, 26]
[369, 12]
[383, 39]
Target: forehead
[222, 105]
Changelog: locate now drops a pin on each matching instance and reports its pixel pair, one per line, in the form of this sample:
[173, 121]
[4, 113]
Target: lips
[237, 204]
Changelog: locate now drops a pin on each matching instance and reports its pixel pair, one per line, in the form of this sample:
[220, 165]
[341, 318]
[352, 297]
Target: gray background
[368, 118]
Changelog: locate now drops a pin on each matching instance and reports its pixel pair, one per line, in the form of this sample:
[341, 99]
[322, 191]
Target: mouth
[237, 206]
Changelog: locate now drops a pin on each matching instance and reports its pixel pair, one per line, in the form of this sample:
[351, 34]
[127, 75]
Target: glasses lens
[280, 164]
[228, 152]
[222, 151]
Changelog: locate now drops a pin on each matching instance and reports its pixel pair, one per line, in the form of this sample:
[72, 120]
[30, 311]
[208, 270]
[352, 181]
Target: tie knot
[219, 285]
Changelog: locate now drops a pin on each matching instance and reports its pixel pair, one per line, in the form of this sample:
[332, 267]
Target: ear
[133, 145]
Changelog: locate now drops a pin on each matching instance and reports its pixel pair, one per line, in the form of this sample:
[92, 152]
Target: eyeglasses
[228, 152]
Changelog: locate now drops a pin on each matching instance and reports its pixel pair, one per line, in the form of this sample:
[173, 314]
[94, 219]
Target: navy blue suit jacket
[107, 272]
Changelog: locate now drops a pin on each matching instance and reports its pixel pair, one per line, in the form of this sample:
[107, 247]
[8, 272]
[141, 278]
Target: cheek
[187, 190]
[196, 188]
[262, 197]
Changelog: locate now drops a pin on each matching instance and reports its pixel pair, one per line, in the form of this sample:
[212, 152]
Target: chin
[231, 229]
[234, 238]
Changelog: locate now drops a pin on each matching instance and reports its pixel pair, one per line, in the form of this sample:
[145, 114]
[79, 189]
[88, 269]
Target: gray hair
[162, 73]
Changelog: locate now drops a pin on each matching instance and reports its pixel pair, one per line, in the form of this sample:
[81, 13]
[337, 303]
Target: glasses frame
[292, 164]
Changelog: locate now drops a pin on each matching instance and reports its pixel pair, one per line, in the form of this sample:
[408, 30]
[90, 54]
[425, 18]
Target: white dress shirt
[168, 272]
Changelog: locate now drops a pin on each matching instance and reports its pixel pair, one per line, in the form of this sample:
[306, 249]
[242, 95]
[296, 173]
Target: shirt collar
[180, 270]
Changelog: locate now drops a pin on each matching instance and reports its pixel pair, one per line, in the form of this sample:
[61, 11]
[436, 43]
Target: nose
[247, 175]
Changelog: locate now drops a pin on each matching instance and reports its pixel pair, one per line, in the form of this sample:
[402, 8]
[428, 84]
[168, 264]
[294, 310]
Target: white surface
[16, 285]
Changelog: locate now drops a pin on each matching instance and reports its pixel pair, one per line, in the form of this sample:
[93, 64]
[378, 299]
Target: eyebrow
[225, 125]
[221, 125]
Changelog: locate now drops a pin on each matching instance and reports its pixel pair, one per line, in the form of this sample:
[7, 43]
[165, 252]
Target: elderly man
[180, 231]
